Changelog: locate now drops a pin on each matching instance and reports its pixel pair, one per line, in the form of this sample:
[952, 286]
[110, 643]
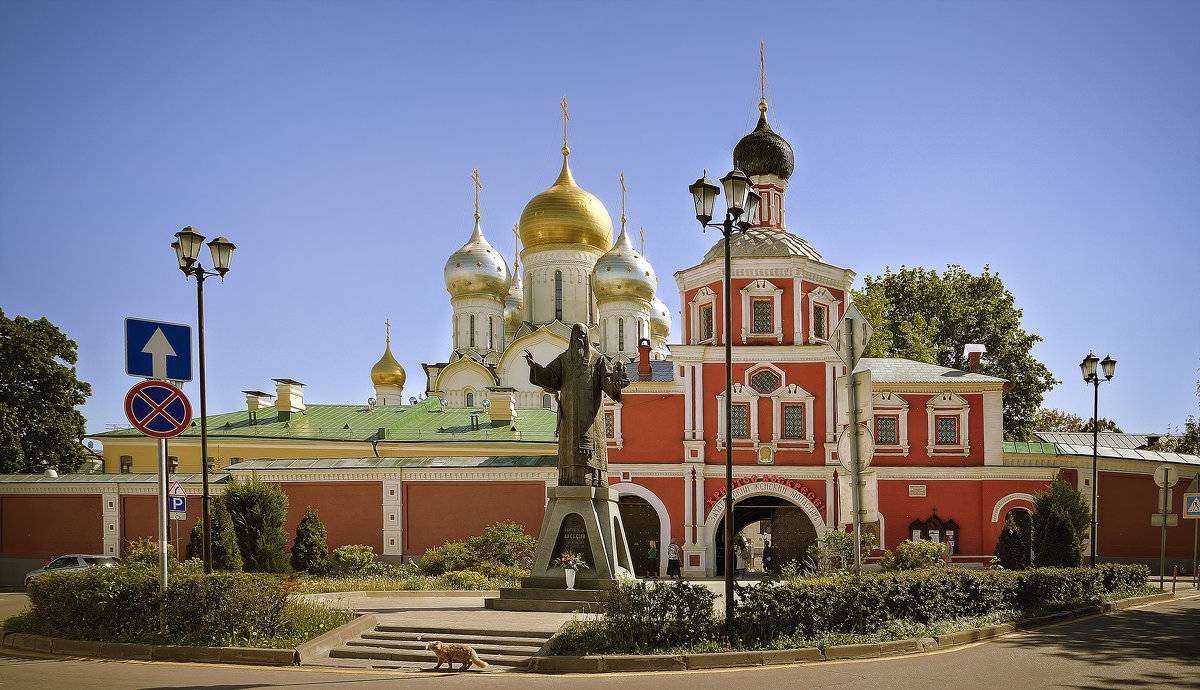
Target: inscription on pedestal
[573, 537]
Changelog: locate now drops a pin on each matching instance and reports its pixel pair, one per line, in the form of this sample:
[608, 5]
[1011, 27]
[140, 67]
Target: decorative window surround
[945, 405]
[742, 395]
[615, 441]
[792, 395]
[821, 296]
[762, 289]
[704, 297]
[890, 404]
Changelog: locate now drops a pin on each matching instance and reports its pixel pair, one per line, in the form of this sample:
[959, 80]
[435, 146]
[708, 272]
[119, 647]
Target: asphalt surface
[1156, 646]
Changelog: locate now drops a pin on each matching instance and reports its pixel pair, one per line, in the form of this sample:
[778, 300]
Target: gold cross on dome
[642, 237]
[388, 325]
[762, 70]
[475, 177]
[622, 199]
[566, 119]
[516, 246]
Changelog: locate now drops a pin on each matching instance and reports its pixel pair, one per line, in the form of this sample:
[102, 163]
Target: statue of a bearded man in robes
[580, 375]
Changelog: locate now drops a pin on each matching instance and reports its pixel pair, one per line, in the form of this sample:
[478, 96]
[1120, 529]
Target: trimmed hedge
[810, 607]
[640, 618]
[122, 604]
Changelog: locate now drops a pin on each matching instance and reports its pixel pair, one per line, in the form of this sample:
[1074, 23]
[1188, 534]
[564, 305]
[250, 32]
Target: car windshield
[99, 560]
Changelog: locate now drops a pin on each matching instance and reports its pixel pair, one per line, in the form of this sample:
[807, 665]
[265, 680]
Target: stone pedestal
[584, 520]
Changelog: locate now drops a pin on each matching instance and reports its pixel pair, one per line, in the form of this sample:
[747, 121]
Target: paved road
[1157, 646]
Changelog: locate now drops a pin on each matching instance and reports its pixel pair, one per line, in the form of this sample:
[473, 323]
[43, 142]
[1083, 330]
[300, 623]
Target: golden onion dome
[514, 312]
[477, 268]
[622, 272]
[566, 214]
[660, 319]
[387, 371]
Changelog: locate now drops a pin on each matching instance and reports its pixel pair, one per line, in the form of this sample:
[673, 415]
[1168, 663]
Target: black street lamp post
[1088, 366]
[187, 251]
[741, 205]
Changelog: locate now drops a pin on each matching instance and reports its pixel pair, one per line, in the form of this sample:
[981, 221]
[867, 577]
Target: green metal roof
[384, 463]
[1034, 448]
[214, 477]
[424, 422]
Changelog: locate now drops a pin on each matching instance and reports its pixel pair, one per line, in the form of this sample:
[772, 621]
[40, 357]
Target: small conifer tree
[1061, 516]
[259, 510]
[1011, 548]
[225, 552]
[310, 550]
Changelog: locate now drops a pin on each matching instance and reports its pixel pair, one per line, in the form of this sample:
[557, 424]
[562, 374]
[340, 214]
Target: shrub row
[123, 604]
[641, 618]
[810, 607]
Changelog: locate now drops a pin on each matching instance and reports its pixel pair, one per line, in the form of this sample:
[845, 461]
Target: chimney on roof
[504, 403]
[289, 398]
[974, 353]
[255, 401]
[643, 357]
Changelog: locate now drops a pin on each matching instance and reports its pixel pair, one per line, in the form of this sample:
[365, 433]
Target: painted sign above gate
[768, 478]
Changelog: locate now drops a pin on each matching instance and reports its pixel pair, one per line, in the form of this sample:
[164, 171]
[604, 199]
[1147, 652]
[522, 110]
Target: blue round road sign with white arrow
[158, 409]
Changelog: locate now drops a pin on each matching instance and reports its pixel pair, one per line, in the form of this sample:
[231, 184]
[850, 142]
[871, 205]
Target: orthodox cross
[388, 325]
[566, 119]
[622, 200]
[642, 237]
[475, 177]
[516, 247]
[762, 71]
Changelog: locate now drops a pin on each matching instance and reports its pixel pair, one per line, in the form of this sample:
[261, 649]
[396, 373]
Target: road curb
[257, 656]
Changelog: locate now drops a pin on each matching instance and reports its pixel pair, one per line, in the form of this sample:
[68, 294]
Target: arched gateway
[794, 510]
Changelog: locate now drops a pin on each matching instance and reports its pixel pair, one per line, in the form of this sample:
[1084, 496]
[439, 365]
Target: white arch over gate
[1009, 499]
[757, 489]
[664, 521]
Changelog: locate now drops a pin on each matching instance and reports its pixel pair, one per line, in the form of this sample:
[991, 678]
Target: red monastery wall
[45, 525]
[437, 512]
[352, 511]
[650, 429]
[1125, 523]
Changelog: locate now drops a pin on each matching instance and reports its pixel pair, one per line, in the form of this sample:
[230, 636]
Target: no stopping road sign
[158, 409]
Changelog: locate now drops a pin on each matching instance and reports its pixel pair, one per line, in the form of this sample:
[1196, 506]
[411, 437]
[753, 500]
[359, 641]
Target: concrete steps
[389, 644]
[554, 600]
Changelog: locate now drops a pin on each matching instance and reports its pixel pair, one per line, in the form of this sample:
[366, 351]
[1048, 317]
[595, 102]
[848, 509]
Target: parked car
[72, 561]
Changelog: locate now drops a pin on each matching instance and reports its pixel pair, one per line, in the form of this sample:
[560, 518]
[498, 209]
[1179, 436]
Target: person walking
[652, 560]
[740, 570]
[673, 560]
[767, 564]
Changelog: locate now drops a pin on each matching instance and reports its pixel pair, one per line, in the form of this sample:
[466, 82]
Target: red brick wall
[45, 525]
[437, 512]
[351, 511]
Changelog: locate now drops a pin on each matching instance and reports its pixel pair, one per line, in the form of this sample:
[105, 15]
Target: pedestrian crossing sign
[1191, 505]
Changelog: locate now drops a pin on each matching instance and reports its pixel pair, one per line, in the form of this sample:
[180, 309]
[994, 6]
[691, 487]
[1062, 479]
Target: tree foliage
[1012, 548]
[922, 315]
[225, 553]
[1060, 519]
[310, 550]
[1105, 424]
[259, 510]
[1186, 440]
[39, 425]
[1055, 420]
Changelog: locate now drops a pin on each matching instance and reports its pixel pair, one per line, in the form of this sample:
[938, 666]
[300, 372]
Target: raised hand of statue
[529, 357]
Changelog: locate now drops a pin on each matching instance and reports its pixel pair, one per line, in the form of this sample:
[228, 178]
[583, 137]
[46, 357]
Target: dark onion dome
[764, 242]
[763, 152]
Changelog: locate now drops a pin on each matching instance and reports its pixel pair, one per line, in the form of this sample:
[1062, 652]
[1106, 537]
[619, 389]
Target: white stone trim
[615, 408]
[762, 289]
[1011, 498]
[792, 394]
[822, 296]
[713, 520]
[704, 296]
[887, 403]
[746, 395]
[393, 518]
[664, 517]
[948, 404]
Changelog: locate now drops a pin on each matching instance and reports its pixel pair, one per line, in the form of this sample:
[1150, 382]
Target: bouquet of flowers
[571, 561]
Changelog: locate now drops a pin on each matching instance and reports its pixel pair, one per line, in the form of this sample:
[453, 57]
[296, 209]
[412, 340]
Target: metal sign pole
[856, 489]
[1162, 554]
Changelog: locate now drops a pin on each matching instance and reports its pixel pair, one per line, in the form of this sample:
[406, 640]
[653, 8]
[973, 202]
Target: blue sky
[333, 142]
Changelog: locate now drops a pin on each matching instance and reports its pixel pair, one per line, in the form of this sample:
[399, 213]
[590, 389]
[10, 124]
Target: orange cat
[451, 653]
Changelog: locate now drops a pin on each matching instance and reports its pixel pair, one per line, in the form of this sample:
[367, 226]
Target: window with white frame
[762, 311]
[947, 426]
[891, 423]
[740, 428]
[745, 424]
[822, 312]
[792, 418]
[701, 310]
[612, 424]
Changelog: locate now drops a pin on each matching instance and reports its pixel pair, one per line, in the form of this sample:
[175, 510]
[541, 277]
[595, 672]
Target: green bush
[834, 550]
[259, 510]
[310, 550]
[1012, 551]
[462, 579]
[225, 553]
[641, 618]
[809, 608]
[354, 559]
[122, 604]
[502, 544]
[1060, 519]
[144, 552]
[913, 555]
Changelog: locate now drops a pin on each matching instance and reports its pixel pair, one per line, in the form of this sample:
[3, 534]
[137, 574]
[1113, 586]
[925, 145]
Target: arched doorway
[641, 526]
[791, 531]
[1024, 521]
